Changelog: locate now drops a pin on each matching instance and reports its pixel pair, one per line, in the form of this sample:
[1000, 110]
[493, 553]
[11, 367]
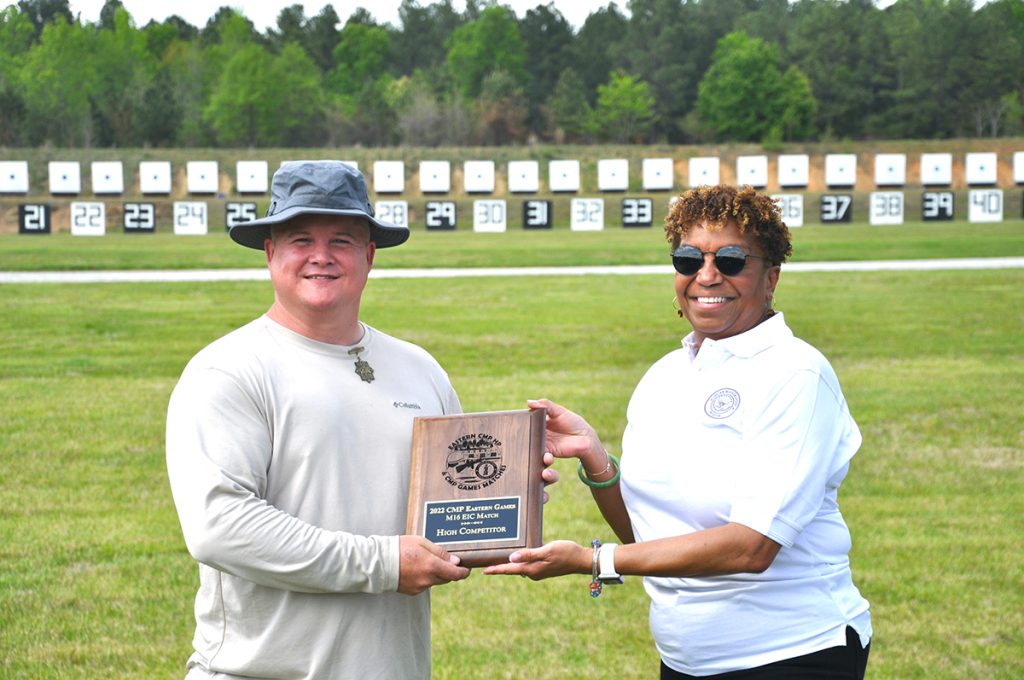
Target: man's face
[319, 264]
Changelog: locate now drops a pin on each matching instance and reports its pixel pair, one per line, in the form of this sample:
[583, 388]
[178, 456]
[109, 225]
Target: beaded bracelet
[595, 582]
[585, 478]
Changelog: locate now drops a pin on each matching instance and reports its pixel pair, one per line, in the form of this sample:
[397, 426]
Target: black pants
[835, 663]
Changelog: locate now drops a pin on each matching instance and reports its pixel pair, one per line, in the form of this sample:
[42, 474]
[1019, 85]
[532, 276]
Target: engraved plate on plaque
[475, 484]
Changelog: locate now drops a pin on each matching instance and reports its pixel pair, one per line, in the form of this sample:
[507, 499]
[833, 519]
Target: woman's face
[720, 306]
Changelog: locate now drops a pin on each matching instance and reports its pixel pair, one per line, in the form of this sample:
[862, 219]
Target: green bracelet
[600, 485]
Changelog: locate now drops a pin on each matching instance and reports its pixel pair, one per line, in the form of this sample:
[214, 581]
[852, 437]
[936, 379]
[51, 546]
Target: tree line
[658, 71]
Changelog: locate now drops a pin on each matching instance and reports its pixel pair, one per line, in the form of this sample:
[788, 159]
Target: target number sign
[489, 216]
[937, 205]
[33, 218]
[985, 205]
[836, 208]
[88, 218]
[440, 215]
[139, 218]
[886, 207]
[190, 218]
[537, 214]
[791, 208]
[394, 212]
[637, 212]
[238, 213]
[587, 214]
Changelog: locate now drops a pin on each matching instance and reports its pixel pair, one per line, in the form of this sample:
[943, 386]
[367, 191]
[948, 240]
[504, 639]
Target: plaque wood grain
[475, 483]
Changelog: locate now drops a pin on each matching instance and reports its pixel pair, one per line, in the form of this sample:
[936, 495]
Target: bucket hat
[318, 188]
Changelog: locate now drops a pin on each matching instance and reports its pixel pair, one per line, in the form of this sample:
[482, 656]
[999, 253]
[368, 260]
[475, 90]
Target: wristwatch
[606, 565]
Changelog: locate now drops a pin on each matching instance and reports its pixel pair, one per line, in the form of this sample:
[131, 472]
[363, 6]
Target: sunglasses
[730, 260]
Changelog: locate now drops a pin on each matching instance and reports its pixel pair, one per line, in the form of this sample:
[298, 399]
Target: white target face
[389, 177]
[65, 177]
[981, 169]
[840, 169]
[752, 170]
[612, 174]
[564, 175]
[936, 169]
[155, 177]
[890, 169]
[523, 177]
[658, 174]
[201, 177]
[13, 177]
[435, 177]
[107, 177]
[704, 171]
[794, 171]
[251, 177]
[478, 177]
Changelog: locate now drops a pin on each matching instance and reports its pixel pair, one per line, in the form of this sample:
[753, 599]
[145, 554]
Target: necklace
[363, 369]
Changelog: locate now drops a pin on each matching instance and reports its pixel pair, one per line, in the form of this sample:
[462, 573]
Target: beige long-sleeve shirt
[290, 476]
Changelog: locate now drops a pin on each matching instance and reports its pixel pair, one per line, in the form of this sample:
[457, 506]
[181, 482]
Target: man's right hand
[422, 564]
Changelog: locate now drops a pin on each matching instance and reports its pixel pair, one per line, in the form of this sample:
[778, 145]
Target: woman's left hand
[548, 474]
[557, 558]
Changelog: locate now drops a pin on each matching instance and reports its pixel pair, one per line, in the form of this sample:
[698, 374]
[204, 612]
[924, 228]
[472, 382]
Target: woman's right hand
[569, 435]
[557, 558]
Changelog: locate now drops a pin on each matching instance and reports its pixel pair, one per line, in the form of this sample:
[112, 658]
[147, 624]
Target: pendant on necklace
[363, 369]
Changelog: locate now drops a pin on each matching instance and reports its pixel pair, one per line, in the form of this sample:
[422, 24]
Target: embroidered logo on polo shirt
[722, 403]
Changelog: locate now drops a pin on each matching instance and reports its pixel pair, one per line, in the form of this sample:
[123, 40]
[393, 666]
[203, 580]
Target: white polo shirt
[752, 429]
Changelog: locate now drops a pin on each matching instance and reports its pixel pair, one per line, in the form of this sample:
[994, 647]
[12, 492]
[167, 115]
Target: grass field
[463, 248]
[95, 580]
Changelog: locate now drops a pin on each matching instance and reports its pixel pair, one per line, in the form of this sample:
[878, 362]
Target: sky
[263, 13]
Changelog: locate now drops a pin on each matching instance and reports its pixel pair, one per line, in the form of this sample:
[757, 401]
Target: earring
[675, 303]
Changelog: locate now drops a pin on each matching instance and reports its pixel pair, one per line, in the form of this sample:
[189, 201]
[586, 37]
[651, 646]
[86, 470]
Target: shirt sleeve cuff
[392, 561]
[777, 529]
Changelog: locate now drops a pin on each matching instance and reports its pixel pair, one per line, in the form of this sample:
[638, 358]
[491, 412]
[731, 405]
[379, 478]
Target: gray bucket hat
[318, 188]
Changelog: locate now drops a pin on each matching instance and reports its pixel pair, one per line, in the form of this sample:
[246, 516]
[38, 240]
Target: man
[288, 455]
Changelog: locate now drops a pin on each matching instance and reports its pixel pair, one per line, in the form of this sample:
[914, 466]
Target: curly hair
[717, 206]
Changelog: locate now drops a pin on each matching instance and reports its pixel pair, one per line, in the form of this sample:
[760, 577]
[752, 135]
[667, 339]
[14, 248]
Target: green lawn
[463, 248]
[95, 580]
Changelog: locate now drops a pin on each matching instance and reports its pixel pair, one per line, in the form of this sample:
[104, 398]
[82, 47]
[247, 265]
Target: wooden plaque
[475, 483]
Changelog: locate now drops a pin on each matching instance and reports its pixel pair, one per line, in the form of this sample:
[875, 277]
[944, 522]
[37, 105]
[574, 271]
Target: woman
[734, 450]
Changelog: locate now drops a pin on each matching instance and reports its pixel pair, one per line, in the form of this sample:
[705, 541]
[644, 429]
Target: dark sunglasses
[730, 260]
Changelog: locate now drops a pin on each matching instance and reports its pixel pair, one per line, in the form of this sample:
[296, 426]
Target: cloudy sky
[263, 13]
